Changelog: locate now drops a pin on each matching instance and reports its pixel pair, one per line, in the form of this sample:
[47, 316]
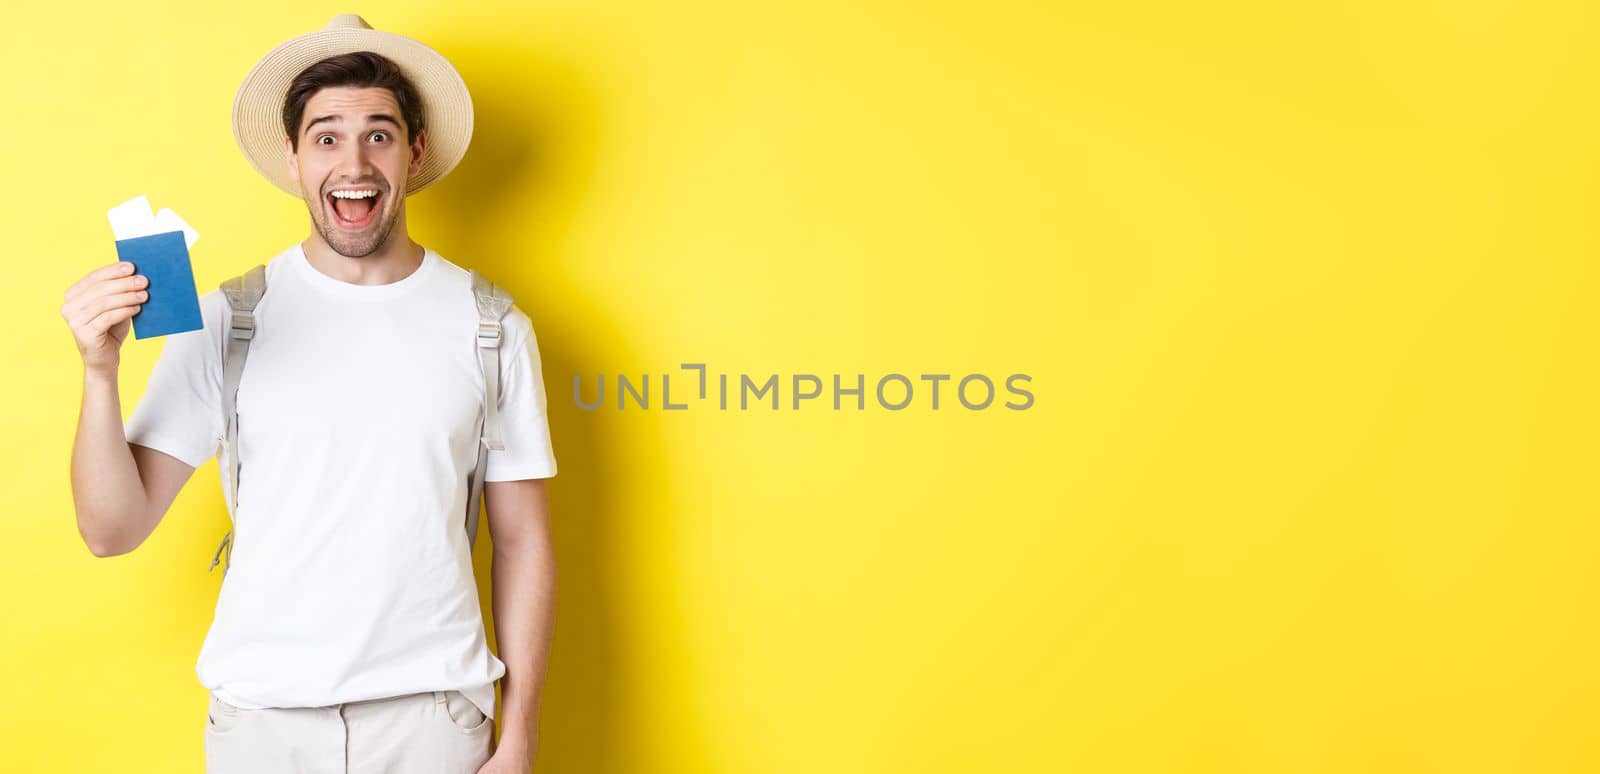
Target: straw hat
[258, 107]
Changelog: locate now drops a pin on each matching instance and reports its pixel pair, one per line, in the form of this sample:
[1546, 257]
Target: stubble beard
[353, 244]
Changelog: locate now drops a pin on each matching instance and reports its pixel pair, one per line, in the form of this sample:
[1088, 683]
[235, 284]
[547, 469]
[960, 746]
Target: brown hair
[361, 69]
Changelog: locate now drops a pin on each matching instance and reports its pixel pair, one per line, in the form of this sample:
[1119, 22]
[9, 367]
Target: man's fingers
[78, 314]
[103, 321]
[103, 273]
[86, 297]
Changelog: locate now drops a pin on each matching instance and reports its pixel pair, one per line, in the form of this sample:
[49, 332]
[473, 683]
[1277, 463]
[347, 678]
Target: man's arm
[524, 581]
[106, 490]
[119, 490]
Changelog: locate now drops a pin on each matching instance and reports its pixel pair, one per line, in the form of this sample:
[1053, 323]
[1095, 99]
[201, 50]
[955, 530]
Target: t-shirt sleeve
[524, 429]
[180, 412]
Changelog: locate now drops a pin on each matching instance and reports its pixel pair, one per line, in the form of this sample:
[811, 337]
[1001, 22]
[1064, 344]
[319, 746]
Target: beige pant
[437, 732]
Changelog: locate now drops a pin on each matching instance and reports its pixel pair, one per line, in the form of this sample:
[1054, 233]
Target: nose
[353, 164]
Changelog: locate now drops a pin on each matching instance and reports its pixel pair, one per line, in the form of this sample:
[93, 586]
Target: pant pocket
[462, 714]
[221, 717]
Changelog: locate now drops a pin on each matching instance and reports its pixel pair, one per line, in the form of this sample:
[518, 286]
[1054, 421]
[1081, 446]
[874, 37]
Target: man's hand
[99, 309]
[513, 756]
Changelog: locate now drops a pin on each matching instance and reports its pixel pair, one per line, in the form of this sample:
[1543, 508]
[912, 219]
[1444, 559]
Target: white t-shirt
[359, 405]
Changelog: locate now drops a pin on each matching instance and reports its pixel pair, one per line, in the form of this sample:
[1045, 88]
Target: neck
[395, 260]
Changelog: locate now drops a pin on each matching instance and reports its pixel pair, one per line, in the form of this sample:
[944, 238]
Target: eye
[320, 138]
[381, 132]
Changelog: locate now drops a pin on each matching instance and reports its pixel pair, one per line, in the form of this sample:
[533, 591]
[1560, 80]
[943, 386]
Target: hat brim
[446, 104]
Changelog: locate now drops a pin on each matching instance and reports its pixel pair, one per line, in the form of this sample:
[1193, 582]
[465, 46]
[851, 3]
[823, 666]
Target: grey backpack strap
[243, 293]
[493, 303]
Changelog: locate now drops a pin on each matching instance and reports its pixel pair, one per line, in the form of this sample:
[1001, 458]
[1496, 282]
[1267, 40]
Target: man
[347, 634]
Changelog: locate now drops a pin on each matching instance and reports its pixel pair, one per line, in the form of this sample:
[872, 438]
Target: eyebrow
[371, 118]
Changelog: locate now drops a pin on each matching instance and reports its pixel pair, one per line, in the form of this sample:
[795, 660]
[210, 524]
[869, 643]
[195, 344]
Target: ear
[419, 149]
[291, 161]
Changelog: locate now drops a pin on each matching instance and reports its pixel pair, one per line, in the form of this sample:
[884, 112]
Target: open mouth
[353, 214]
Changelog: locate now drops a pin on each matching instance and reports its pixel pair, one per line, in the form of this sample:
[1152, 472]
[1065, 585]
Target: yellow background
[1306, 294]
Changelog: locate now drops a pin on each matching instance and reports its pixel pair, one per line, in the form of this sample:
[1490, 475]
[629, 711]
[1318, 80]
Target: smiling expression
[352, 141]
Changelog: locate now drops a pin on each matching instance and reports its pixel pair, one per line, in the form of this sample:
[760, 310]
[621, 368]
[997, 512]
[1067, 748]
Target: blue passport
[174, 304]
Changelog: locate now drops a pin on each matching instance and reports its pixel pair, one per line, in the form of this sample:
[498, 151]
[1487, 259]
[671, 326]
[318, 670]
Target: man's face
[353, 139]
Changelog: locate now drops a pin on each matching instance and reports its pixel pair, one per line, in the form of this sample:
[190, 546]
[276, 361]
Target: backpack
[245, 291]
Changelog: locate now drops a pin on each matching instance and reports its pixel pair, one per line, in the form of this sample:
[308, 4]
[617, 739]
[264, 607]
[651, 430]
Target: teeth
[354, 194]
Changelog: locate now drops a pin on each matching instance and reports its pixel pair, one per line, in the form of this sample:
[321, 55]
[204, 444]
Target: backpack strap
[493, 303]
[243, 293]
